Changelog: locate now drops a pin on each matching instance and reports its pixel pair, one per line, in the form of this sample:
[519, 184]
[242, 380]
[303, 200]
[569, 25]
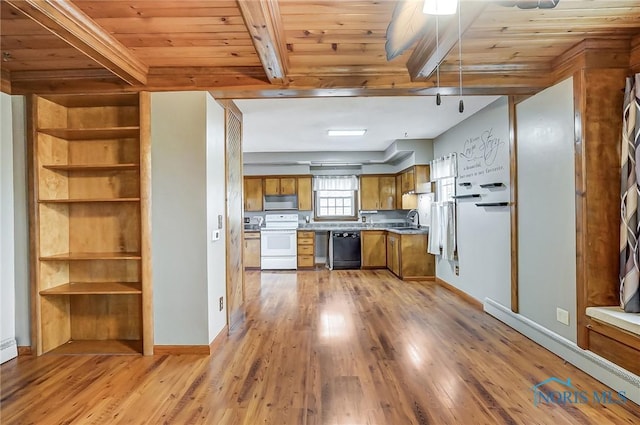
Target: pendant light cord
[438, 99]
[461, 105]
[438, 50]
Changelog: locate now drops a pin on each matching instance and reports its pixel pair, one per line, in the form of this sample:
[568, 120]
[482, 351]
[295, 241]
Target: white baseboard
[600, 368]
[8, 349]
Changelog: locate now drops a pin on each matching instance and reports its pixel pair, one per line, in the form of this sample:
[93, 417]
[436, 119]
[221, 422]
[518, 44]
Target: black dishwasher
[345, 249]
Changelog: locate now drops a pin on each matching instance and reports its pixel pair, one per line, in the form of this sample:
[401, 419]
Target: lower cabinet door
[251, 253]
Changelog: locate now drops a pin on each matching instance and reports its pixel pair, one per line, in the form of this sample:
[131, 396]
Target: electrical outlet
[456, 270]
[221, 303]
[562, 316]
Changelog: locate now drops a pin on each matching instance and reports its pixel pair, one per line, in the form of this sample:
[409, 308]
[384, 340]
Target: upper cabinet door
[288, 186]
[408, 181]
[305, 194]
[252, 194]
[399, 192]
[272, 186]
[387, 192]
[369, 193]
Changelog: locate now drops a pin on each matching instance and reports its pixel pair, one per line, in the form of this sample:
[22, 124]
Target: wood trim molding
[230, 106]
[34, 235]
[513, 186]
[68, 22]
[263, 21]
[592, 53]
[597, 102]
[218, 341]
[5, 81]
[162, 350]
[468, 298]
[427, 56]
[145, 215]
[416, 278]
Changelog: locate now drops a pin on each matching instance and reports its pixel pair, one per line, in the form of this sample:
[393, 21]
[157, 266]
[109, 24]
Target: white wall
[21, 221]
[179, 218]
[546, 208]
[8, 346]
[216, 205]
[482, 146]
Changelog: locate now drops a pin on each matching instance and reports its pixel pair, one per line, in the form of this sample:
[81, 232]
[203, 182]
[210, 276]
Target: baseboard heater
[598, 367]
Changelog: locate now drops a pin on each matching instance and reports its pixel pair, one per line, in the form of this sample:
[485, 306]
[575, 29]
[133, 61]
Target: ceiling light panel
[338, 133]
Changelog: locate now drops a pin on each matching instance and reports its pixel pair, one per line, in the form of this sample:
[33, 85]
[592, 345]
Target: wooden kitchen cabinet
[373, 249]
[416, 180]
[407, 256]
[280, 186]
[305, 194]
[415, 261]
[378, 192]
[252, 250]
[306, 249]
[393, 253]
[408, 181]
[253, 194]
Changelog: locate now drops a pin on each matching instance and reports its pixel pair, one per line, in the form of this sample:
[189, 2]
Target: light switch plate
[215, 235]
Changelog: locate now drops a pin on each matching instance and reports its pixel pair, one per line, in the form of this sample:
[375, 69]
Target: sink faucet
[414, 217]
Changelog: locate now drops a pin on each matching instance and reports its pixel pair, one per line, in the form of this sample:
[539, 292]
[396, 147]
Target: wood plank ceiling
[270, 48]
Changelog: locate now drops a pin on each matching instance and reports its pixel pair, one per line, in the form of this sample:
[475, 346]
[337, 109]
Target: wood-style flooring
[319, 347]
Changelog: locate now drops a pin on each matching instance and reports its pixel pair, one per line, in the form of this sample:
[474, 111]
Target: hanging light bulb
[461, 103]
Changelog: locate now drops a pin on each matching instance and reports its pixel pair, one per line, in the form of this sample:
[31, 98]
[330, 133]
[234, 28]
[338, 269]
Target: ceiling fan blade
[407, 25]
[548, 4]
[529, 4]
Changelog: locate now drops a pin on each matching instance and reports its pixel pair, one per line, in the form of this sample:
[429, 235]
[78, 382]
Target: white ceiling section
[300, 125]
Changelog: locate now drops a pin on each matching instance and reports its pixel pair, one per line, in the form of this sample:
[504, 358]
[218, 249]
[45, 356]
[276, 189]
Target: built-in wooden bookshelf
[90, 235]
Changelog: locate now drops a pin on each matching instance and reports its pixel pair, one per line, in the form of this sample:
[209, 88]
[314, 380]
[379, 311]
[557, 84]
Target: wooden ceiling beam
[426, 56]
[158, 79]
[263, 21]
[68, 22]
[253, 84]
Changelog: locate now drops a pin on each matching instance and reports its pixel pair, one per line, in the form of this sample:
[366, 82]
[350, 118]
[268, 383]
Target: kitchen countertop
[326, 227]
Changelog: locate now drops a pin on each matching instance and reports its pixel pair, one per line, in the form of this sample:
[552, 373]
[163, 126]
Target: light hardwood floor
[319, 347]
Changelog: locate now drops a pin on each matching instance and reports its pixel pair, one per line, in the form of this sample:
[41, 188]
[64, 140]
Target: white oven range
[278, 242]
